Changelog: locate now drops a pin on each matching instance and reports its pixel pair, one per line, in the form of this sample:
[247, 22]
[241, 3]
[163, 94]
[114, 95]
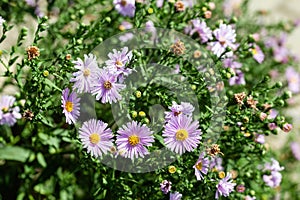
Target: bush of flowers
[145, 99]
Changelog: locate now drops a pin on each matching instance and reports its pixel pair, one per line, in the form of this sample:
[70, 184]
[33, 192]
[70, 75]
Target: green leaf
[14, 153]
[51, 84]
[41, 160]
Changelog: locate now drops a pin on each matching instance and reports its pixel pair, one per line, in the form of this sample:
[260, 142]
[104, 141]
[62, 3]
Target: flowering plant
[105, 98]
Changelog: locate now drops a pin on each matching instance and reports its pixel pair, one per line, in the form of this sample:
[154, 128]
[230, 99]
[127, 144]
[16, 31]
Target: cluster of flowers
[202, 166]
[274, 178]
[8, 112]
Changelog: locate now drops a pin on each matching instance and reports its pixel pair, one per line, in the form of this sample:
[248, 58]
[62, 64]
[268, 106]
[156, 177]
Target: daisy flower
[106, 88]
[201, 167]
[117, 62]
[293, 78]
[8, 113]
[178, 109]
[225, 36]
[175, 196]
[133, 139]
[273, 180]
[87, 74]
[201, 28]
[70, 105]
[224, 187]
[125, 7]
[181, 134]
[257, 53]
[96, 137]
[165, 186]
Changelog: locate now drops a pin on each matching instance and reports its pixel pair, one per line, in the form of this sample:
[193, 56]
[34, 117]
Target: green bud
[138, 94]
[278, 84]
[108, 19]
[142, 114]
[287, 94]
[79, 41]
[252, 192]
[134, 114]
[194, 87]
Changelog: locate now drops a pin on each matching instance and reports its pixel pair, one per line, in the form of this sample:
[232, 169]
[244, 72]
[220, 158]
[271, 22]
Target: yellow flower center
[181, 134]
[119, 63]
[254, 51]
[5, 109]
[107, 85]
[221, 174]
[294, 79]
[172, 169]
[86, 72]
[133, 140]
[199, 166]
[222, 41]
[69, 106]
[94, 138]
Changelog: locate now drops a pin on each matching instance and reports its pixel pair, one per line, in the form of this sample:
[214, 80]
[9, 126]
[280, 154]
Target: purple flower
[272, 114]
[31, 3]
[165, 186]
[225, 36]
[257, 53]
[96, 137]
[224, 187]
[8, 113]
[201, 167]
[87, 74]
[134, 138]
[216, 164]
[125, 7]
[281, 54]
[184, 108]
[70, 105]
[231, 63]
[125, 25]
[295, 148]
[260, 138]
[273, 180]
[106, 88]
[116, 64]
[159, 3]
[201, 28]
[293, 78]
[272, 126]
[287, 127]
[126, 37]
[181, 134]
[238, 79]
[273, 166]
[175, 196]
[240, 188]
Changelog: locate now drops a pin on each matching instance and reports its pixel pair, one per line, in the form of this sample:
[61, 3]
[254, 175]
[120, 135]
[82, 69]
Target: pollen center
[294, 79]
[199, 166]
[254, 51]
[181, 134]
[119, 63]
[69, 106]
[107, 85]
[94, 138]
[133, 140]
[86, 72]
[5, 109]
[222, 41]
[123, 3]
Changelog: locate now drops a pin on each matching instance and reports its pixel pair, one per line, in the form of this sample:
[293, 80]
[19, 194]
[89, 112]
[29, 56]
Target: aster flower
[257, 53]
[273, 180]
[273, 166]
[201, 28]
[125, 25]
[184, 108]
[117, 62]
[260, 138]
[238, 79]
[295, 148]
[134, 138]
[201, 167]
[216, 164]
[175, 196]
[8, 113]
[31, 3]
[70, 105]
[87, 74]
[106, 88]
[231, 63]
[293, 78]
[165, 186]
[126, 37]
[96, 137]
[225, 36]
[287, 127]
[225, 187]
[181, 134]
[125, 7]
